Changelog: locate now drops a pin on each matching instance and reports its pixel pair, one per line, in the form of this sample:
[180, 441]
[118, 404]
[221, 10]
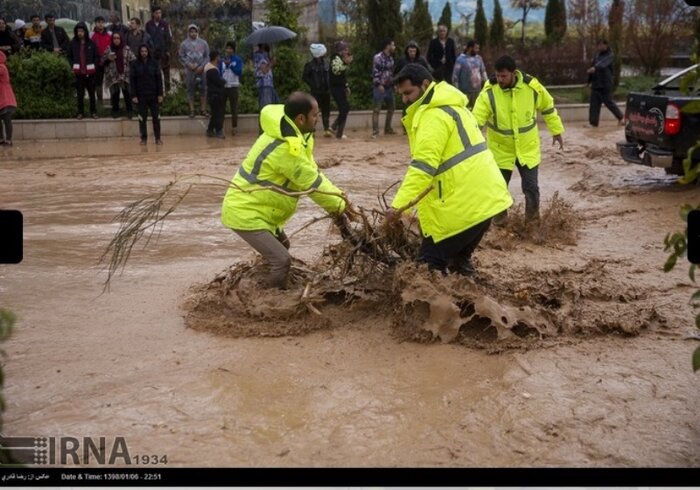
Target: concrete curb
[42, 129]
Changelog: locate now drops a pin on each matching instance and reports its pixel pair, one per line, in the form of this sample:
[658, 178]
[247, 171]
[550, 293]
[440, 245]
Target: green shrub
[175, 102]
[247, 94]
[287, 71]
[44, 85]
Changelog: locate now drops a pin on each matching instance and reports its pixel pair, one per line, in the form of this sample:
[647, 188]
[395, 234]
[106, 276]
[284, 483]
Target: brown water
[83, 363]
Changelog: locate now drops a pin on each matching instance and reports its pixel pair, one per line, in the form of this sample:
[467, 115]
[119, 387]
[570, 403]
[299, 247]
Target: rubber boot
[387, 124]
[375, 124]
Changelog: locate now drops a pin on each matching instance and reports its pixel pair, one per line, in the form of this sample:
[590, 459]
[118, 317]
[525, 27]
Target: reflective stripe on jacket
[281, 158]
[511, 118]
[448, 152]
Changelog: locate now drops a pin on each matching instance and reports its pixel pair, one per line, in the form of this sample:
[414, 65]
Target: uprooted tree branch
[364, 232]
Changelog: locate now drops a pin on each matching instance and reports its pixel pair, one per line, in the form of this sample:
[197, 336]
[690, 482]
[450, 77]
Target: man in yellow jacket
[450, 158]
[508, 106]
[258, 202]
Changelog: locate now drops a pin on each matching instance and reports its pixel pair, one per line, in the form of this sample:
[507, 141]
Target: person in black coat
[82, 56]
[54, 38]
[411, 55]
[146, 86]
[9, 42]
[317, 77]
[600, 77]
[215, 96]
[442, 55]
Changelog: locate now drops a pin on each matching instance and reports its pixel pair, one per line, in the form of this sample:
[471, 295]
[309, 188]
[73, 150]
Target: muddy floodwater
[124, 363]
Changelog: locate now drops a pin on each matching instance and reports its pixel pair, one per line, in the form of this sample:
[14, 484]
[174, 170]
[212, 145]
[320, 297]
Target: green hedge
[44, 85]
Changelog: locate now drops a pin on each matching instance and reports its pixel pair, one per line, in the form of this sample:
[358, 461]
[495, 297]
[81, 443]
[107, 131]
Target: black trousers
[6, 123]
[99, 81]
[324, 103]
[601, 96]
[530, 188]
[218, 111]
[231, 98]
[454, 249]
[146, 103]
[341, 100]
[83, 82]
[114, 91]
[164, 61]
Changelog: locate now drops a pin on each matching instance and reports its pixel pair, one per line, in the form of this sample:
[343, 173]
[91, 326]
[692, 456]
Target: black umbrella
[269, 35]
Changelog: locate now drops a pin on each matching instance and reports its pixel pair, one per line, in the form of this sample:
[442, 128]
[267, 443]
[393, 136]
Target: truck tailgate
[645, 116]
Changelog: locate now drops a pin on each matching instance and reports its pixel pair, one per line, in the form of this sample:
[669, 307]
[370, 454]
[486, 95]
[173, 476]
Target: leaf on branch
[685, 209]
[691, 272]
[670, 263]
[696, 360]
[692, 108]
[695, 298]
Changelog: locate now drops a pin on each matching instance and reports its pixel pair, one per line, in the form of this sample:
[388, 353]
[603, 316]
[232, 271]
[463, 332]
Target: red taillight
[672, 126]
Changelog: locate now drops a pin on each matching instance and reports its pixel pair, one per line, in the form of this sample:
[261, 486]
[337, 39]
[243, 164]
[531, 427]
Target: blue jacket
[235, 66]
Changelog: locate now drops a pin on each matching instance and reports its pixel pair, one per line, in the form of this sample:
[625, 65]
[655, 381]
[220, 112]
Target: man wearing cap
[194, 55]
[54, 38]
[32, 36]
[317, 77]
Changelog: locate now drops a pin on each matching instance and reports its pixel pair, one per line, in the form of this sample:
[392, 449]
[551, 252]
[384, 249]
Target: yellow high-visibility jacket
[448, 152]
[511, 118]
[281, 158]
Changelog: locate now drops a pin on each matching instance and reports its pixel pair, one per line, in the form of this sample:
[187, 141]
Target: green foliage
[175, 102]
[44, 85]
[385, 21]
[497, 33]
[481, 27]
[677, 244]
[283, 13]
[288, 63]
[287, 71]
[555, 21]
[218, 34]
[7, 322]
[420, 24]
[360, 76]
[615, 27]
[446, 16]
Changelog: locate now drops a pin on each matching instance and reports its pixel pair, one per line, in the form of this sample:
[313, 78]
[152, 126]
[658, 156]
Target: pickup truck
[657, 131]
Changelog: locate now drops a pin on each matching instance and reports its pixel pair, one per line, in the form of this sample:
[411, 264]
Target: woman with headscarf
[117, 58]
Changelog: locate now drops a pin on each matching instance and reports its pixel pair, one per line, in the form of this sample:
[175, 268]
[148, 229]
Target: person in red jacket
[102, 39]
[8, 103]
